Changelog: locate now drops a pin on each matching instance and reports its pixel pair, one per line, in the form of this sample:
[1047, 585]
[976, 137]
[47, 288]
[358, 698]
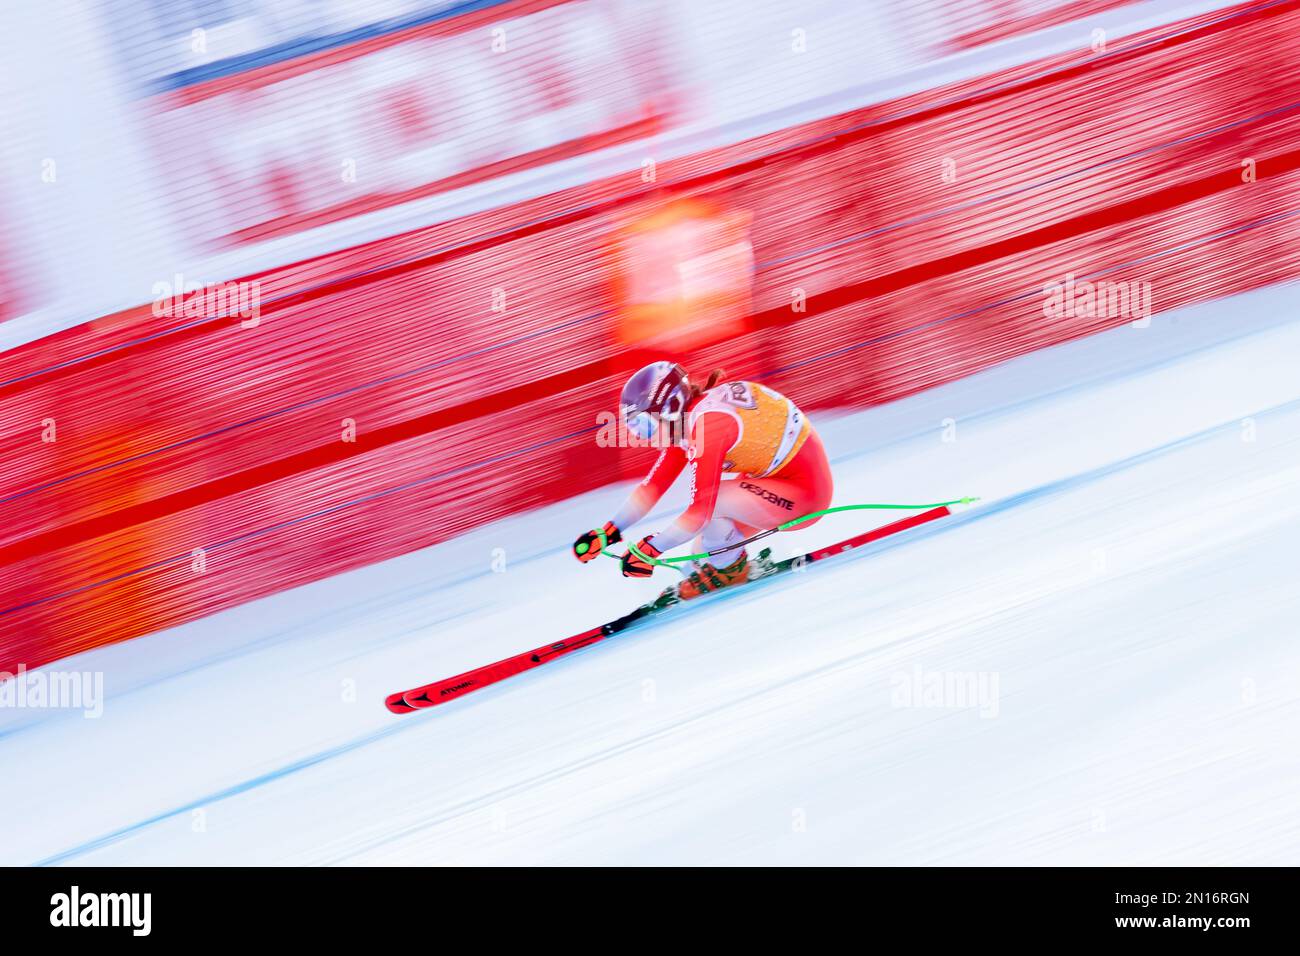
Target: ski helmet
[656, 393]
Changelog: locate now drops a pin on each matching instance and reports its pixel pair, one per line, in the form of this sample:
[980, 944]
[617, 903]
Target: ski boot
[707, 578]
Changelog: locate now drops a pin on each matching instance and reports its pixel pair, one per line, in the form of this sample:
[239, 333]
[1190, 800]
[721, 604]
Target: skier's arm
[644, 496]
[667, 467]
[713, 436]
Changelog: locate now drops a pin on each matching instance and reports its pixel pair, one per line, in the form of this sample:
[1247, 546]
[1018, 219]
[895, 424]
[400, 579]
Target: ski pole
[670, 562]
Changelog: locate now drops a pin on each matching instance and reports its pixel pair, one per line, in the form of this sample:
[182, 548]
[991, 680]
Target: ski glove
[587, 547]
[635, 567]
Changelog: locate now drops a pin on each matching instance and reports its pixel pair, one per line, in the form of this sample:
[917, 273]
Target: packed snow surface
[1096, 664]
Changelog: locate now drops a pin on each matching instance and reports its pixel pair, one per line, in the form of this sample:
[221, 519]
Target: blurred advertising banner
[682, 275]
[955, 25]
[220, 138]
[272, 144]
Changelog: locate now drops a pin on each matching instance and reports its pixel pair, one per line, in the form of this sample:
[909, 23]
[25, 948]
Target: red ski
[439, 692]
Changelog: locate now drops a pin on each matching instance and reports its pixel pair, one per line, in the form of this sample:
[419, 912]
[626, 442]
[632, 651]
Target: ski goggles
[645, 424]
[642, 424]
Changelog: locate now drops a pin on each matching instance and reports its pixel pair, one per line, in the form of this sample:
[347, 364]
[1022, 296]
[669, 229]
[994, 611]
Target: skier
[740, 428]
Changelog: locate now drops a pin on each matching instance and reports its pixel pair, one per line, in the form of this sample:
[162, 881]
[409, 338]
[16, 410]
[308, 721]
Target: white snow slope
[1122, 603]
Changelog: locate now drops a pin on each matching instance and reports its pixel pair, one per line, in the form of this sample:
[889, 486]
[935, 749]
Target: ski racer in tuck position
[739, 428]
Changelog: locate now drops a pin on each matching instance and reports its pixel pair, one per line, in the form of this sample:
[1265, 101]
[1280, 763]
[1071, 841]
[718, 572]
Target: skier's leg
[718, 535]
[747, 505]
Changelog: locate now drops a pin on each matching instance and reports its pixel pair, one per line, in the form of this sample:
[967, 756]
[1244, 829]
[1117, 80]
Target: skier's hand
[635, 567]
[587, 547]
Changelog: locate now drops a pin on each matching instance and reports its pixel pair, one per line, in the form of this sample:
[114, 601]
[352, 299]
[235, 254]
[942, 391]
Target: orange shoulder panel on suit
[772, 429]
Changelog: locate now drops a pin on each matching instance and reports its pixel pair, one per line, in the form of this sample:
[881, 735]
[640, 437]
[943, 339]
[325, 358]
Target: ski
[452, 688]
